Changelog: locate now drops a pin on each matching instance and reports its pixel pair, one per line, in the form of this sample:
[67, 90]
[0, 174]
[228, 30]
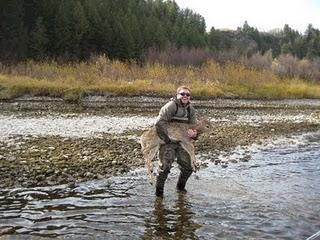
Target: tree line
[75, 30]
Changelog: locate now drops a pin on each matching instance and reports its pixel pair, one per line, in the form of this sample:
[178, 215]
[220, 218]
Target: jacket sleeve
[193, 119]
[193, 115]
[165, 115]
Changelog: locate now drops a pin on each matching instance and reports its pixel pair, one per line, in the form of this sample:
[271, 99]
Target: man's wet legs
[160, 183]
[166, 155]
[185, 167]
[183, 178]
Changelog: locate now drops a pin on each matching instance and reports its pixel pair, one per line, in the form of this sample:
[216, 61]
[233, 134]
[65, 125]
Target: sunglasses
[185, 94]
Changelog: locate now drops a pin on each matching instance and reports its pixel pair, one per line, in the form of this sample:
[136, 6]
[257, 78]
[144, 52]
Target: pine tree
[63, 31]
[312, 42]
[79, 27]
[13, 34]
[38, 40]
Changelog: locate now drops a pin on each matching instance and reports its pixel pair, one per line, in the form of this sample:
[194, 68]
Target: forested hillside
[76, 30]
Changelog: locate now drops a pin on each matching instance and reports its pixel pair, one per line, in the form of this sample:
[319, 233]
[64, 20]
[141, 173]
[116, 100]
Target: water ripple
[275, 195]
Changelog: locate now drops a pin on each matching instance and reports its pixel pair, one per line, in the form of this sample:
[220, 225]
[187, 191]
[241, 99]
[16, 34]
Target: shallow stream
[276, 195]
[272, 192]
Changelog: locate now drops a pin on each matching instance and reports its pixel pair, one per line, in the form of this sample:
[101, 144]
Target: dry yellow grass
[104, 77]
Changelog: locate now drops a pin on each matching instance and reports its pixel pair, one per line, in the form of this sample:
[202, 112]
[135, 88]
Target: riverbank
[48, 141]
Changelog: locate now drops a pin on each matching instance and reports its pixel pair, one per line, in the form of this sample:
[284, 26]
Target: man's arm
[192, 133]
[161, 127]
[193, 115]
[165, 115]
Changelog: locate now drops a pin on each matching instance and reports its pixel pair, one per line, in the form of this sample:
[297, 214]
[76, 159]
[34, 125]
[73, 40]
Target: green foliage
[75, 30]
[13, 35]
[38, 41]
[70, 27]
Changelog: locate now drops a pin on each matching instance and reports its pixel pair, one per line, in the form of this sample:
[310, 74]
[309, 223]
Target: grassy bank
[104, 77]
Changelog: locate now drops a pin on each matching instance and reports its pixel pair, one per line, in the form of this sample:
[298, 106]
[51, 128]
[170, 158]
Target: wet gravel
[51, 142]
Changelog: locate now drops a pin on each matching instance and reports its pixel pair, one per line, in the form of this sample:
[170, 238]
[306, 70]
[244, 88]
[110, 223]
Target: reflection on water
[175, 223]
[273, 196]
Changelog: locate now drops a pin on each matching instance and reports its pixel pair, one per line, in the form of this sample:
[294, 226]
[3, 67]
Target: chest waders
[167, 154]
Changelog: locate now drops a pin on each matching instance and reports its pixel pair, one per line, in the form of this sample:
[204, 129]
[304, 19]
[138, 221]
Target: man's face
[184, 96]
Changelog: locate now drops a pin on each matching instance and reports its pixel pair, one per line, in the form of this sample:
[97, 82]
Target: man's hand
[192, 133]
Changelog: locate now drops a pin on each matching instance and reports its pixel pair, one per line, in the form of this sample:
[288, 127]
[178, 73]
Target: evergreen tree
[126, 29]
[312, 42]
[288, 39]
[90, 40]
[79, 27]
[71, 25]
[38, 40]
[63, 31]
[299, 48]
[269, 42]
[49, 13]
[13, 34]
[251, 33]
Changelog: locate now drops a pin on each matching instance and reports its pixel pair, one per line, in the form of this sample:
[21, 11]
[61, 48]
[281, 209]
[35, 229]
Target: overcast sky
[262, 14]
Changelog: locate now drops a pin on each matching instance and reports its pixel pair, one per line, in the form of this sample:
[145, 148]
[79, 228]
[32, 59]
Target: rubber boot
[159, 192]
[181, 185]
[161, 178]
[183, 178]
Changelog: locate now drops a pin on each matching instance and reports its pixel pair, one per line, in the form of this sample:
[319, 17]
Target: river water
[275, 195]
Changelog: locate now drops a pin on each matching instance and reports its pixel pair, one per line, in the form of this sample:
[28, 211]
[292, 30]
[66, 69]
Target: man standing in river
[178, 109]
